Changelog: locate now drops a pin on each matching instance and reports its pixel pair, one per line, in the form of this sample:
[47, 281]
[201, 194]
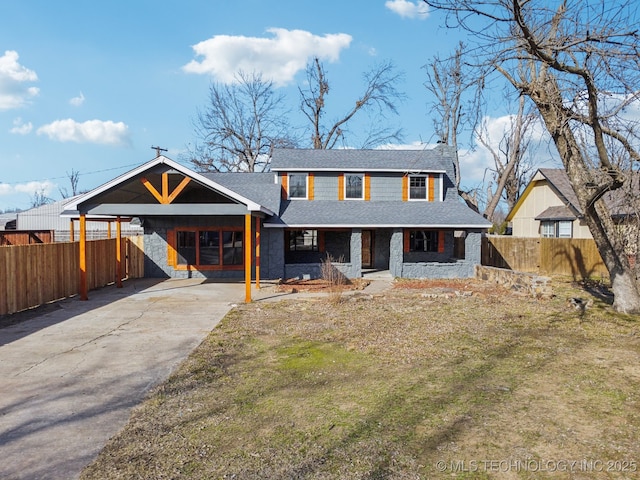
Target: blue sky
[91, 86]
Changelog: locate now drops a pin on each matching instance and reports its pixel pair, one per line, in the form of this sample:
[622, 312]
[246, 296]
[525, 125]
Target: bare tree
[74, 178]
[579, 63]
[379, 98]
[510, 172]
[457, 91]
[240, 126]
[40, 198]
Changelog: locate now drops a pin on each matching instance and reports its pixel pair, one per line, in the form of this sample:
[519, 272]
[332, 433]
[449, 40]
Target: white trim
[162, 160]
[344, 192]
[426, 188]
[306, 188]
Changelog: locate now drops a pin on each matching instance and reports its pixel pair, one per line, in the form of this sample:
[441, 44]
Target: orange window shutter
[405, 188]
[431, 188]
[171, 248]
[341, 186]
[407, 241]
[441, 241]
[285, 186]
[310, 177]
[367, 187]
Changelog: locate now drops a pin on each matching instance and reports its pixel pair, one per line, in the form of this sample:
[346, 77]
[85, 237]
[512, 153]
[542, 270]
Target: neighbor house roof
[309, 160]
[558, 181]
[337, 214]
[557, 213]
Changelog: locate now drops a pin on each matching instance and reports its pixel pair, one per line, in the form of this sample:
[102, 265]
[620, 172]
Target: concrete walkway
[70, 377]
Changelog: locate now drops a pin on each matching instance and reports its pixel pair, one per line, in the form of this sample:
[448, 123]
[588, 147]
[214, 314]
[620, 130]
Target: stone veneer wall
[526, 283]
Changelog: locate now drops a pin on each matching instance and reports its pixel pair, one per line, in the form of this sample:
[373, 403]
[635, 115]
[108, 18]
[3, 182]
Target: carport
[188, 209]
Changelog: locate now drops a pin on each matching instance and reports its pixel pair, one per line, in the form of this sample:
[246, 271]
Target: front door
[367, 248]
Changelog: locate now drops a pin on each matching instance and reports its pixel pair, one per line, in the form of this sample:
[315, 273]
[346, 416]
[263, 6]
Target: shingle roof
[437, 159]
[327, 213]
[619, 201]
[258, 187]
[557, 213]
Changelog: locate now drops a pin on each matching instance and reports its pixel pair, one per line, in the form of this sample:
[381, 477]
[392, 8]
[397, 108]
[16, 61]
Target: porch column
[108, 229]
[118, 253]
[71, 232]
[258, 253]
[247, 258]
[356, 253]
[83, 258]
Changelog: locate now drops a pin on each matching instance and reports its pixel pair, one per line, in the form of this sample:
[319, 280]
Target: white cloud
[92, 131]
[278, 58]
[21, 128]
[29, 188]
[405, 9]
[77, 101]
[14, 92]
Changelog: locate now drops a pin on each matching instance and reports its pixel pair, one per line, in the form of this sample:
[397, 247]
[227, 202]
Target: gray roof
[328, 213]
[258, 187]
[619, 201]
[437, 159]
[557, 213]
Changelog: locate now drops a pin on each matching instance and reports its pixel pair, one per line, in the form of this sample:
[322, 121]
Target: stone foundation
[526, 283]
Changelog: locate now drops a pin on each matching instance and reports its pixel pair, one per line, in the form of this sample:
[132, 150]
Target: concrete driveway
[69, 377]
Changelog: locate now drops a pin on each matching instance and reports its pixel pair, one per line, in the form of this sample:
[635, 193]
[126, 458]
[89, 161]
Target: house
[369, 209]
[548, 207]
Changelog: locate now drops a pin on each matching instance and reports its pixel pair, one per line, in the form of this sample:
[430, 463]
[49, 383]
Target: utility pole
[158, 150]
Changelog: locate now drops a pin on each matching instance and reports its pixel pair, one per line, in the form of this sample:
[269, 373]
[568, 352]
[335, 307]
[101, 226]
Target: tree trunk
[623, 282]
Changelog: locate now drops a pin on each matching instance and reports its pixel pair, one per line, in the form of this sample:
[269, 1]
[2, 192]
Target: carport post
[258, 253]
[71, 233]
[247, 257]
[83, 257]
[118, 253]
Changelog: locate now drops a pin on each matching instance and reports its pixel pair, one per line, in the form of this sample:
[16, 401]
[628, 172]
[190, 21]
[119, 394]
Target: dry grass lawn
[428, 380]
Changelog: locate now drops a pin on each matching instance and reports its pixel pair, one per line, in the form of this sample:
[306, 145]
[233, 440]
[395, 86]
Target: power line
[80, 173]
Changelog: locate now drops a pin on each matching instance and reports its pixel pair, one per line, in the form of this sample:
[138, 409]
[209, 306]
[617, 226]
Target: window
[354, 186]
[564, 229]
[423, 241]
[548, 229]
[303, 241]
[417, 187]
[557, 229]
[208, 249]
[297, 185]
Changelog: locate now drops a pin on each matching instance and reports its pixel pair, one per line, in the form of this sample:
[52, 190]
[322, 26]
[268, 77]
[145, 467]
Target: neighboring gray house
[394, 210]
[47, 217]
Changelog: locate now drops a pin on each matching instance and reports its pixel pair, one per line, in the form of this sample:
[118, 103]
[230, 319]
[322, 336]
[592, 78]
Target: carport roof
[123, 199]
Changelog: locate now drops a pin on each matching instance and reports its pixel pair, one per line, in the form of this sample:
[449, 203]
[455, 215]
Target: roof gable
[129, 188]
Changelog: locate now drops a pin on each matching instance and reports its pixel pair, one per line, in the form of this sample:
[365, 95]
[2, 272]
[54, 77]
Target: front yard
[447, 380]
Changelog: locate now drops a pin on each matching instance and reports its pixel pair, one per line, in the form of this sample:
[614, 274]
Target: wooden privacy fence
[31, 275]
[576, 257]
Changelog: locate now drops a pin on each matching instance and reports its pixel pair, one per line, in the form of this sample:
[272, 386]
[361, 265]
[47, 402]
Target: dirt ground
[431, 379]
